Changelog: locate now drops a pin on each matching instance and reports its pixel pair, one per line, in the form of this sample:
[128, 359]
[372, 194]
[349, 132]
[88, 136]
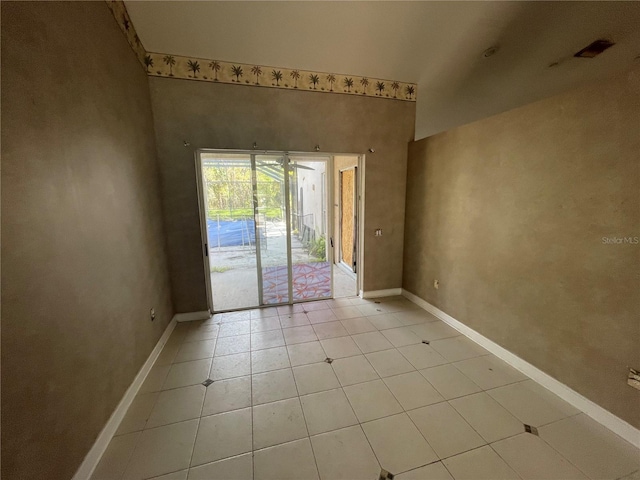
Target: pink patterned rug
[310, 280]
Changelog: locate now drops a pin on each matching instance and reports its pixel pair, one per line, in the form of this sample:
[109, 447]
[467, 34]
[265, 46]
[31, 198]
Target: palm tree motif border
[211, 70]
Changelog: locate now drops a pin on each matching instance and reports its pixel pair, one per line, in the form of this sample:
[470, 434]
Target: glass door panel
[231, 233]
[271, 221]
[266, 228]
[311, 270]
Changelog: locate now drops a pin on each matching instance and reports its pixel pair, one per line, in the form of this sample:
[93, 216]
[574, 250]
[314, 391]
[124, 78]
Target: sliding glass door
[271, 218]
[227, 181]
[311, 268]
[266, 218]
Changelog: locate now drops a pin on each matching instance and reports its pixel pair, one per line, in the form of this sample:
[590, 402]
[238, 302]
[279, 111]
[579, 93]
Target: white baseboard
[92, 458]
[191, 316]
[595, 411]
[390, 292]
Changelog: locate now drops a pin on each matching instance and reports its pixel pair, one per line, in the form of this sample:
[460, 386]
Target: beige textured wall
[83, 255]
[508, 213]
[231, 116]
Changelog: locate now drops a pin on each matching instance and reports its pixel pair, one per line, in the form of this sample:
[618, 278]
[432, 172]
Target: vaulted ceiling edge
[218, 71]
[119, 11]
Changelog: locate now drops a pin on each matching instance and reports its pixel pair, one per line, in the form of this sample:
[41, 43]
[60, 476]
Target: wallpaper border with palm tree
[119, 11]
[218, 71]
[250, 74]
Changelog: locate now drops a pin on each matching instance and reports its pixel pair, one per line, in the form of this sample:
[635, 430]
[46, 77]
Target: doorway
[346, 226]
[266, 227]
[348, 220]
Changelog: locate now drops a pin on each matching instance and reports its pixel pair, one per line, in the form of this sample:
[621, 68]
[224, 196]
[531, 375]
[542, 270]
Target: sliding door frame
[254, 190]
[360, 204]
[328, 161]
[202, 210]
[287, 210]
[329, 187]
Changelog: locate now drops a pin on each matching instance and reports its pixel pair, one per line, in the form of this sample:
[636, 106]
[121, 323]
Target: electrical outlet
[436, 284]
[634, 378]
[152, 314]
[378, 232]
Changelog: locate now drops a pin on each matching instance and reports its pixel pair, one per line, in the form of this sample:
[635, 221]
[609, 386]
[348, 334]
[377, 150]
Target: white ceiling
[438, 45]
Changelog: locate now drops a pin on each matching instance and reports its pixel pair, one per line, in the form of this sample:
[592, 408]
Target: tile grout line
[461, 373]
[341, 358]
[306, 426]
[557, 451]
[404, 411]
[396, 399]
[506, 409]
[333, 369]
[490, 444]
[362, 429]
[482, 390]
[504, 460]
[146, 420]
[193, 448]
[447, 469]
[124, 470]
[387, 377]
[351, 356]
[253, 462]
[339, 428]
[141, 432]
[425, 465]
[386, 416]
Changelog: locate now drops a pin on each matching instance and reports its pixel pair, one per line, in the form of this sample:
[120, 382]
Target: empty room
[308, 240]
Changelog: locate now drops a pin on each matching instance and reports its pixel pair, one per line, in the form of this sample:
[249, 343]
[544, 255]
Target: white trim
[595, 411]
[360, 184]
[345, 268]
[390, 292]
[287, 221]
[191, 316]
[204, 235]
[92, 458]
[329, 193]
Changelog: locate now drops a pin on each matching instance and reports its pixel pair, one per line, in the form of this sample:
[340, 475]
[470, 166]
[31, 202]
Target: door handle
[331, 238]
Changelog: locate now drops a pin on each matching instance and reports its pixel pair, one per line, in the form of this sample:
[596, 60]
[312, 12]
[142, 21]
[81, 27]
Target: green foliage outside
[318, 248]
[230, 193]
[220, 269]
[239, 213]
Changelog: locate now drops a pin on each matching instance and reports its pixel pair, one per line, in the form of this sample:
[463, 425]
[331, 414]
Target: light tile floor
[400, 391]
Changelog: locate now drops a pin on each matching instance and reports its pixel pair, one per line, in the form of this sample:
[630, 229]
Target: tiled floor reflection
[276, 409]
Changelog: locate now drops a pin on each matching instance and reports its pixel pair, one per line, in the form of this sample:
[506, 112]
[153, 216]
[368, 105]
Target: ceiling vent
[594, 49]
